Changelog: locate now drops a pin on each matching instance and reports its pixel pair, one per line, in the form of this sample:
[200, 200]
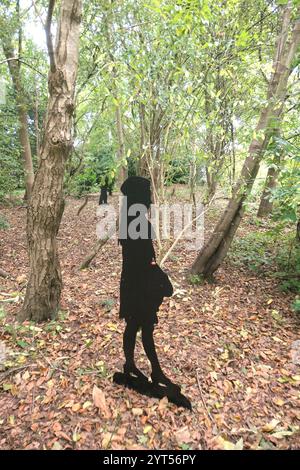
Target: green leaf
[23, 344]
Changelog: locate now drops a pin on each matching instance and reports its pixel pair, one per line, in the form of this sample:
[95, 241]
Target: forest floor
[229, 344]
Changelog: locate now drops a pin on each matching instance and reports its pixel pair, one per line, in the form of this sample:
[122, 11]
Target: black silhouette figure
[142, 289]
[103, 195]
[106, 187]
[103, 191]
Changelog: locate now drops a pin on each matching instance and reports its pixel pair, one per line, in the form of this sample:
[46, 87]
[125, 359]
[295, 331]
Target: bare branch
[22, 62]
[38, 14]
[98, 245]
[83, 205]
[49, 36]
[4, 273]
[166, 256]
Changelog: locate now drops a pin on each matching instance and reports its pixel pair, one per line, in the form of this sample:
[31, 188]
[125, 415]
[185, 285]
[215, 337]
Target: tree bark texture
[47, 203]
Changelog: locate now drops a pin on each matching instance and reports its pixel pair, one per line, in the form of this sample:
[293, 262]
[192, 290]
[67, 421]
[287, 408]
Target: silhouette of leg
[129, 339]
[157, 375]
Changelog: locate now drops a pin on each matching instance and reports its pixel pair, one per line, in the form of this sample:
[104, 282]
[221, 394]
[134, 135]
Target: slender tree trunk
[15, 73]
[213, 253]
[26, 149]
[266, 204]
[233, 158]
[121, 146]
[211, 185]
[36, 124]
[142, 169]
[192, 179]
[46, 205]
[122, 174]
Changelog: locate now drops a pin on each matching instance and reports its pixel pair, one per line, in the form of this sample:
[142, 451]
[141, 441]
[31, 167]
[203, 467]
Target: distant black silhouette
[103, 192]
[106, 187]
[142, 289]
[103, 195]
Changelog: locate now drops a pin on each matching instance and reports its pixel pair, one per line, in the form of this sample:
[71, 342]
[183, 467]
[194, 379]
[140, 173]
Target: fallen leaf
[106, 439]
[271, 425]
[137, 411]
[163, 403]
[56, 427]
[76, 407]
[183, 435]
[76, 436]
[278, 401]
[100, 401]
[147, 429]
[282, 434]
[57, 446]
[21, 279]
[223, 444]
[87, 404]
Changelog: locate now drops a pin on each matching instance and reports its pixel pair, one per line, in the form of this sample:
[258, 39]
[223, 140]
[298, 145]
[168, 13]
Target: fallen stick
[98, 245]
[4, 273]
[166, 256]
[83, 205]
[6, 373]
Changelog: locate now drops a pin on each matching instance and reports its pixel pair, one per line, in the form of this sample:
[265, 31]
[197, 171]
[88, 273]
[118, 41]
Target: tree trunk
[26, 149]
[121, 146]
[211, 185]
[266, 205]
[122, 173]
[46, 205]
[14, 70]
[215, 250]
[233, 156]
[192, 178]
[142, 167]
[36, 124]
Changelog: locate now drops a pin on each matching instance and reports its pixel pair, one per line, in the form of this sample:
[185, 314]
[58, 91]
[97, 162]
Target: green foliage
[287, 194]
[4, 225]
[253, 251]
[11, 171]
[96, 168]
[108, 304]
[178, 172]
[85, 182]
[2, 313]
[196, 279]
[274, 252]
[99, 370]
[296, 305]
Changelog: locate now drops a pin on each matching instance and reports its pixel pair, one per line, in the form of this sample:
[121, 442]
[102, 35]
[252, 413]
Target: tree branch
[49, 36]
[98, 245]
[166, 256]
[38, 14]
[23, 62]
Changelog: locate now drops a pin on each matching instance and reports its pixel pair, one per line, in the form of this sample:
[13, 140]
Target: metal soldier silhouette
[143, 286]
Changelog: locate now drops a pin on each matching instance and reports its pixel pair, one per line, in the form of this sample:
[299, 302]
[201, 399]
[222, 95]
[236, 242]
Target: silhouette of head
[138, 191]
